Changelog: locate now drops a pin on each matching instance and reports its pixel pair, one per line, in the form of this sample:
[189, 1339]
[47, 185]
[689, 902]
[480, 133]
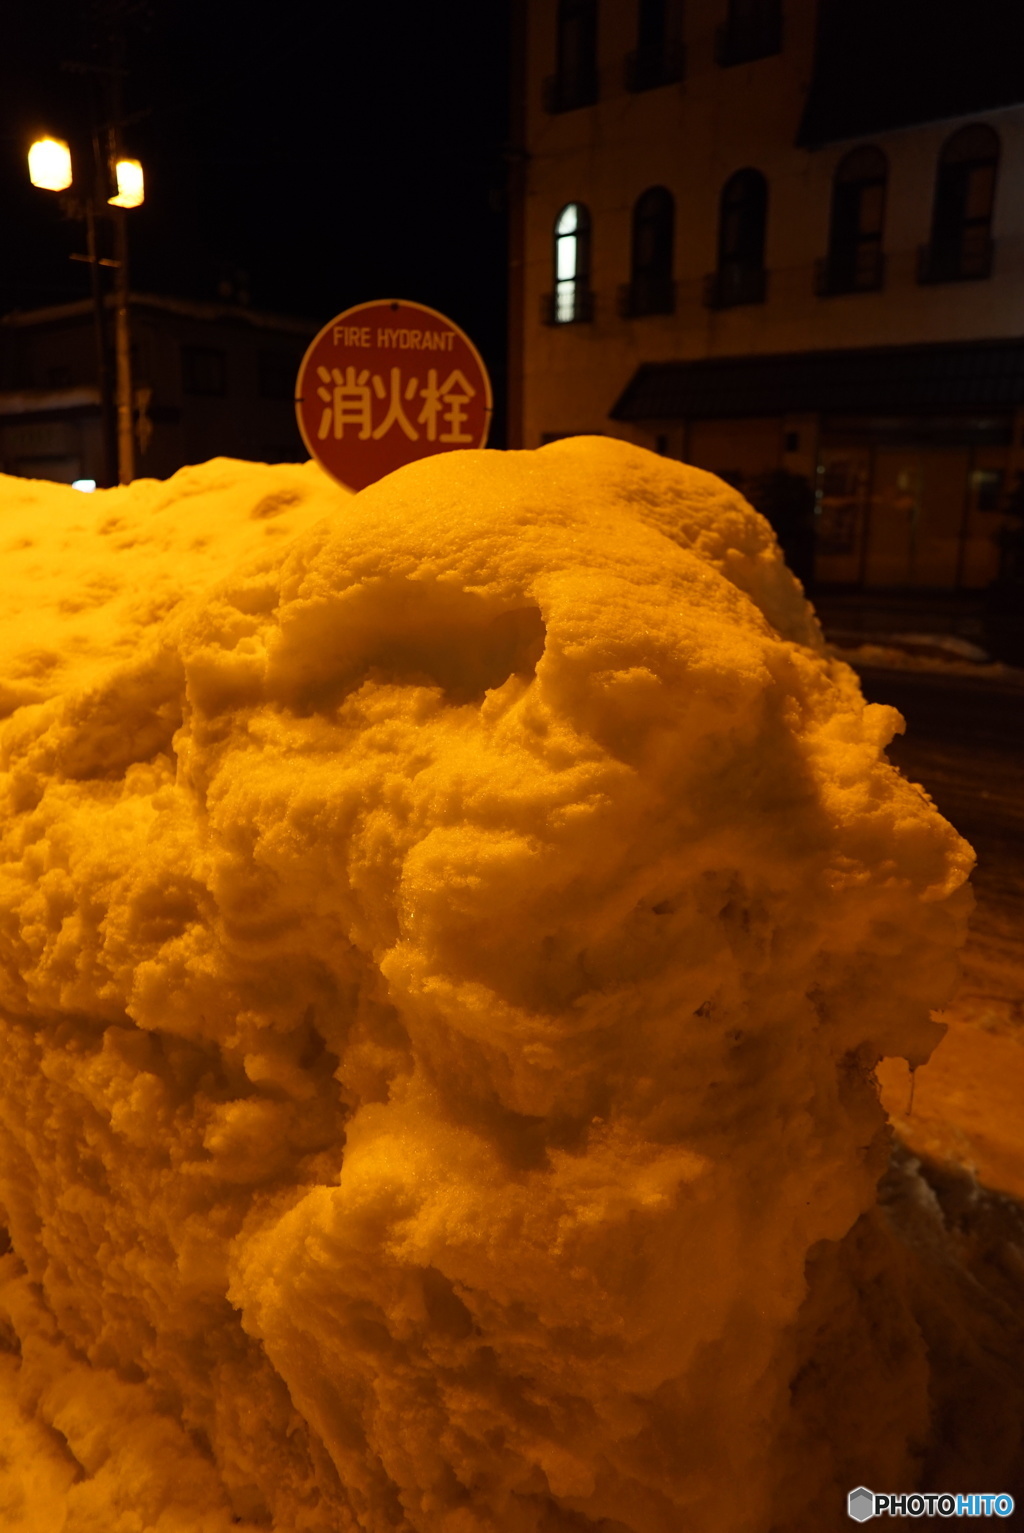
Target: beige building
[727, 249]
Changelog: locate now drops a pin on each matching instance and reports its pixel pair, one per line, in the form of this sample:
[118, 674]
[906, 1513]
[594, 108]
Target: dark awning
[877, 380]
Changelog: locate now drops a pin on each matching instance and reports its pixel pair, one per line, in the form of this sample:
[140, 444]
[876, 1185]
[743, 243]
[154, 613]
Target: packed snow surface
[446, 937]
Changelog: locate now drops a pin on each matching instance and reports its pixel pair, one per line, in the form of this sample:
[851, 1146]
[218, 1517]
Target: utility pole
[117, 184]
[93, 205]
[50, 167]
[100, 339]
[122, 319]
[123, 352]
[110, 197]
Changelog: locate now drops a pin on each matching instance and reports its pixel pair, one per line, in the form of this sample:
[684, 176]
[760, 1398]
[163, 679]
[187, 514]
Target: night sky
[306, 155]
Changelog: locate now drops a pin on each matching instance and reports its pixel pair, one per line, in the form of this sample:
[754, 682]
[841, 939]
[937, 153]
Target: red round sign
[385, 383]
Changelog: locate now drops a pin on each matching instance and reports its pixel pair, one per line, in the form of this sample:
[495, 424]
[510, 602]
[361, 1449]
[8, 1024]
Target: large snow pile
[446, 936]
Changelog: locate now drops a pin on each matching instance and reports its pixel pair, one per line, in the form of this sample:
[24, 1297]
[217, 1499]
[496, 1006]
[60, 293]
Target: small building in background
[209, 380]
[784, 240]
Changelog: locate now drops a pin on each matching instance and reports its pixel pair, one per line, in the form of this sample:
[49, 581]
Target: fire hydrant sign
[386, 383]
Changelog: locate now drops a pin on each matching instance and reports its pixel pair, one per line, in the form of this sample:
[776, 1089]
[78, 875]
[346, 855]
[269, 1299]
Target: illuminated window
[572, 297]
[651, 289]
[752, 30]
[740, 277]
[574, 83]
[854, 263]
[961, 242]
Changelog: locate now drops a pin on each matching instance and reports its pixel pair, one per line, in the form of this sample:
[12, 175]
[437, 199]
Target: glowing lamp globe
[130, 185]
[49, 164]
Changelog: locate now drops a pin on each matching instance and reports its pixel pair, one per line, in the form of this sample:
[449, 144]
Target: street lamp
[49, 164]
[130, 185]
[50, 167]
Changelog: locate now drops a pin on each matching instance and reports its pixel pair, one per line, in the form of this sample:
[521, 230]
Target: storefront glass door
[842, 505]
[918, 504]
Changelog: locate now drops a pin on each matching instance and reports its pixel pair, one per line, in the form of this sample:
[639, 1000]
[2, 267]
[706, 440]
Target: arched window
[854, 263]
[650, 288]
[965, 188]
[574, 83]
[572, 296]
[740, 277]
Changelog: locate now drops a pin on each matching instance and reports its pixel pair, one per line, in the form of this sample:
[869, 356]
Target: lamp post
[50, 167]
[130, 194]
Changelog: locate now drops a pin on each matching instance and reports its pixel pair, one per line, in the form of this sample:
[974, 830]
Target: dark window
[650, 289]
[204, 370]
[659, 57]
[854, 263]
[277, 372]
[752, 30]
[965, 188]
[574, 82]
[58, 377]
[571, 299]
[740, 277]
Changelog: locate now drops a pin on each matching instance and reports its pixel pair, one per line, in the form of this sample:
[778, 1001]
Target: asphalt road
[965, 744]
[952, 707]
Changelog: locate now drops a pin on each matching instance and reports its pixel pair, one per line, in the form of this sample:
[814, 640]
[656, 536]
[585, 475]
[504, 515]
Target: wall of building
[63, 445]
[49, 403]
[190, 426]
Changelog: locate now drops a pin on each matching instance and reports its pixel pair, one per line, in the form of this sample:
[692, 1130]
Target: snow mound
[444, 949]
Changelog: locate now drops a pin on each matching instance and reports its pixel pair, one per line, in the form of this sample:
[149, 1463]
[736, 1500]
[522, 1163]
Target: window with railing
[740, 276]
[960, 248]
[855, 263]
[752, 30]
[658, 58]
[571, 299]
[650, 289]
[574, 83]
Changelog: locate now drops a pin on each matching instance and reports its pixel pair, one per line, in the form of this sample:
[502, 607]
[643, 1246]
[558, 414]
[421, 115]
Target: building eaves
[25, 402]
[185, 308]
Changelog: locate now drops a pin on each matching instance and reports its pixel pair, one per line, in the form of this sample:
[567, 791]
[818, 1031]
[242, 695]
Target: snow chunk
[447, 935]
